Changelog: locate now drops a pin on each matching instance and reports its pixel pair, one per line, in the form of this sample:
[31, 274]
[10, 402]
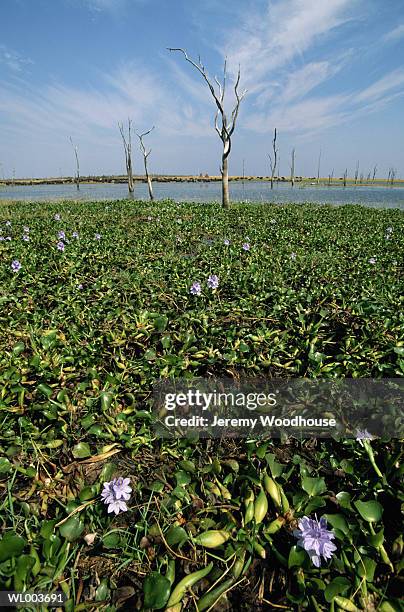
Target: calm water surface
[253, 191]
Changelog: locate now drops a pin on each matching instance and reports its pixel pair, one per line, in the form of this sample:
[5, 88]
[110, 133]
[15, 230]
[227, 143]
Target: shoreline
[121, 179]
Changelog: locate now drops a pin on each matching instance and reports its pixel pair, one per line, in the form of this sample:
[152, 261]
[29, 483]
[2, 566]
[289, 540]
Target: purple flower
[372, 260]
[61, 235]
[389, 230]
[61, 246]
[246, 246]
[75, 235]
[293, 256]
[315, 538]
[25, 237]
[57, 217]
[213, 281]
[116, 493]
[363, 434]
[226, 242]
[2, 238]
[15, 265]
[196, 288]
[26, 230]
[80, 286]
[97, 236]
[8, 223]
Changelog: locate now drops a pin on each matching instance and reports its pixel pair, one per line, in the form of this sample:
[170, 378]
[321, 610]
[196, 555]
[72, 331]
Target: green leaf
[72, 529]
[337, 521]
[25, 563]
[81, 450]
[103, 592]
[313, 486]
[339, 586]
[366, 567]
[5, 465]
[377, 539]
[111, 540]
[297, 557]
[156, 589]
[176, 535]
[11, 545]
[160, 323]
[371, 511]
[344, 500]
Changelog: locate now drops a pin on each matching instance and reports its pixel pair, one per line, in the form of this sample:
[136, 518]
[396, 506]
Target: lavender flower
[116, 493]
[80, 286]
[196, 288]
[372, 260]
[315, 538]
[2, 238]
[60, 245]
[25, 237]
[226, 242]
[26, 229]
[363, 434]
[213, 281]
[57, 217]
[389, 230]
[97, 236]
[149, 218]
[61, 235]
[75, 235]
[293, 256]
[246, 246]
[15, 265]
[8, 223]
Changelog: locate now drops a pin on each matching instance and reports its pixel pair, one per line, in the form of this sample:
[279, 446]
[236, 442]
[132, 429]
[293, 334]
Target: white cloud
[395, 34]
[391, 81]
[13, 60]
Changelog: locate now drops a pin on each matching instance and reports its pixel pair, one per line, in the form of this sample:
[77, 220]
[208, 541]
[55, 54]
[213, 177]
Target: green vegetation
[85, 332]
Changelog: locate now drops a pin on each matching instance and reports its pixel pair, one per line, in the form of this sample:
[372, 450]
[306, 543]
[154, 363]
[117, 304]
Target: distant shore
[324, 181]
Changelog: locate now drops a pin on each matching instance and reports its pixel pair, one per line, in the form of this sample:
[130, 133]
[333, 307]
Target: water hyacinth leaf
[81, 450]
[314, 486]
[338, 522]
[156, 589]
[11, 545]
[182, 478]
[366, 568]
[25, 563]
[5, 465]
[377, 539]
[111, 540]
[176, 535]
[160, 323]
[344, 500]
[103, 592]
[314, 504]
[370, 511]
[297, 557]
[72, 529]
[338, 586]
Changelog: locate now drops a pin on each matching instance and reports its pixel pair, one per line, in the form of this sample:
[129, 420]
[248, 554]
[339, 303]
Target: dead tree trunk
[226, 128]
[292, 168]
[127, 145]
[345, 175]
[356, 172]
[145, 156]
[273, 160]
[318, 167]
[76, 153]
[374, 173]
[330, 177]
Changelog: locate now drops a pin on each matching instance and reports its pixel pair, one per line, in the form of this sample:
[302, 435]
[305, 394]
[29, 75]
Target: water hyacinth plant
[116, 493]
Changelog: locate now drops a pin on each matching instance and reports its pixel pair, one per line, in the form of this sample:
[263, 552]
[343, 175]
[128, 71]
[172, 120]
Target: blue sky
[327, 74]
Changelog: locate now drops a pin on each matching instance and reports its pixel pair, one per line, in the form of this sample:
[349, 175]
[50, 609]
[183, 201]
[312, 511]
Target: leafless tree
[127, 145]
[273, 159]
[292, 167]
[76, 154]
[368, 176]
[318, 167]
[345, 175]
[361, 178]
[145, 156]
[330, 177]
[226, 128]
[374, 173]
[356, 172]
[388, 178]
[392, 173]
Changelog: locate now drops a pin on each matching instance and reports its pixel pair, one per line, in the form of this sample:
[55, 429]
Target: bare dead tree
[356, 172]
[374, 173]
[393, 173]
[76, 153]
[127, 145]
[227, 126]
[273, 160]
[361, 178]
[292, 167]
[330, 177]
[388, 178]
[368, 176]
[345, 175]
[318, 167]
[145, 156]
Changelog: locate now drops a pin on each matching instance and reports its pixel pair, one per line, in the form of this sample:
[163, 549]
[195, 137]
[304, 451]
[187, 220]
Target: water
[253, 191]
